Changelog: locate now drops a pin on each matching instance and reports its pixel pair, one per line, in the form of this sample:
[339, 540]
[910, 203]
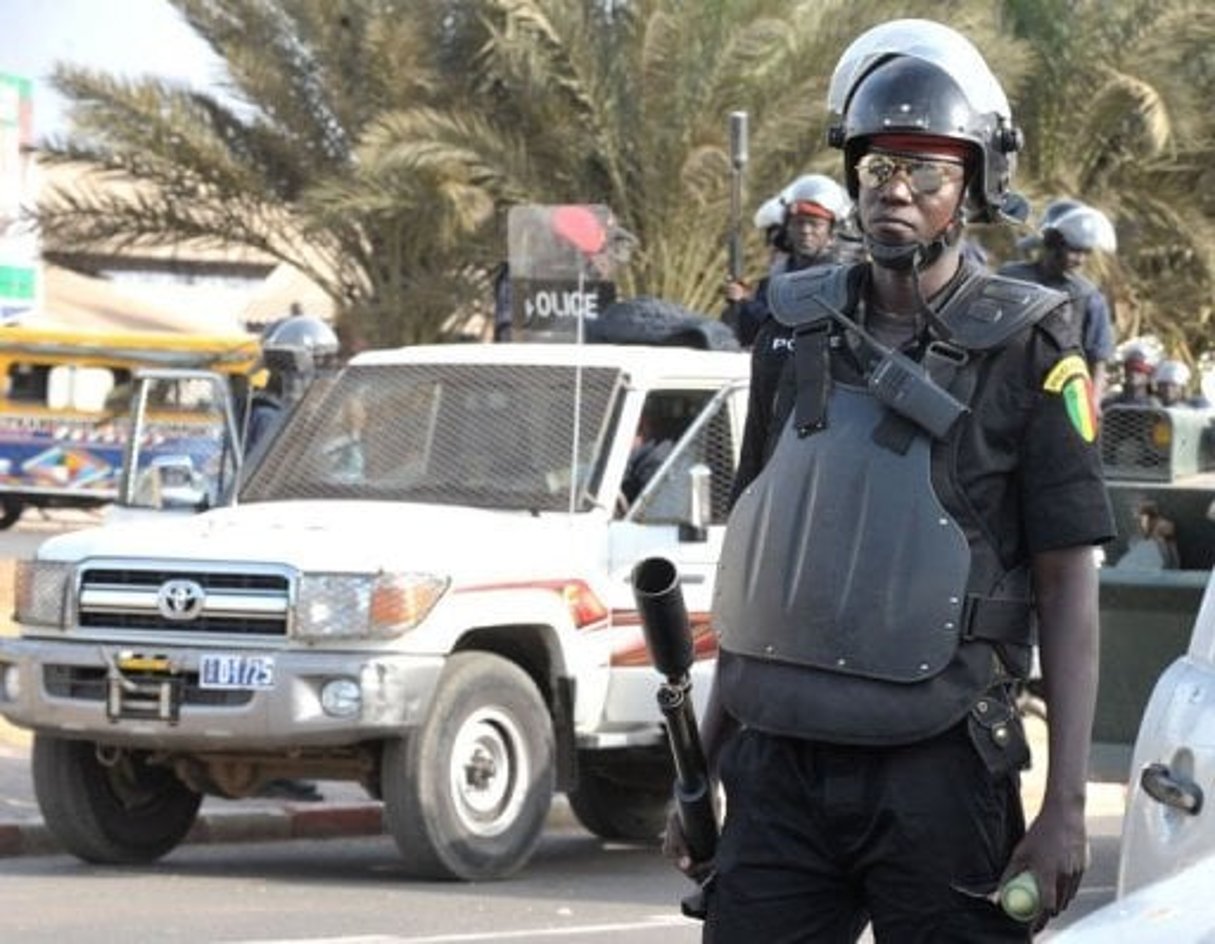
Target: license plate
[232, 671]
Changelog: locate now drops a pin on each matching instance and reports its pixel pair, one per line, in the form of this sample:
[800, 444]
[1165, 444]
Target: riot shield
[563, 261]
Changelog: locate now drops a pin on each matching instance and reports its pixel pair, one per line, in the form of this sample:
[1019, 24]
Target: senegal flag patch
[1069, 378]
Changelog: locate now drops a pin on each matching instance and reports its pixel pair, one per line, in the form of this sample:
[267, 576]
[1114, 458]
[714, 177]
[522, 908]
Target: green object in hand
[1019, 897]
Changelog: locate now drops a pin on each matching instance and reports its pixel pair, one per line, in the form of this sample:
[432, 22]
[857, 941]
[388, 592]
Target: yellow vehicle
[66, 404]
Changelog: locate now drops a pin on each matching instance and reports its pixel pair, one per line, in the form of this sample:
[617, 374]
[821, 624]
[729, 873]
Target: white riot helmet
[1083, 228]
[1172, 372]
[919, 77]
[1055, 209]
[817, 190]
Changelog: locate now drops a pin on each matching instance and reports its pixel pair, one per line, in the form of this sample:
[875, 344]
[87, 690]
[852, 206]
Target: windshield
[489, 436]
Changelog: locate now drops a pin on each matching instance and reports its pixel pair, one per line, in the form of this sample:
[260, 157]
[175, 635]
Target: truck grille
[250, 601]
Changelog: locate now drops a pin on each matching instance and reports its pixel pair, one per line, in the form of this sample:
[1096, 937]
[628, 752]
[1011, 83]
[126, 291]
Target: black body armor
[856, 601]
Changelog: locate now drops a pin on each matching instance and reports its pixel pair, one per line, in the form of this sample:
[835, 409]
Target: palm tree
[625, 103]
[289, 162]
[377, 144]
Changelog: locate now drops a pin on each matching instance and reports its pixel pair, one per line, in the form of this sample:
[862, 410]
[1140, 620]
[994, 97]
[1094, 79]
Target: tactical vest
[857, 598]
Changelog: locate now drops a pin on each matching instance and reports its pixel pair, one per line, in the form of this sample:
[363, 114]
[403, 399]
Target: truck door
[684, 457]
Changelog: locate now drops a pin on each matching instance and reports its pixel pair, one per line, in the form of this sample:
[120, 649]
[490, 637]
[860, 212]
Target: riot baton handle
[738, 162]
[669, 639]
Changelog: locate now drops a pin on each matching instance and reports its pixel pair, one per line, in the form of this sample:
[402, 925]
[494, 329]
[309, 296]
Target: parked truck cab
[422, 586]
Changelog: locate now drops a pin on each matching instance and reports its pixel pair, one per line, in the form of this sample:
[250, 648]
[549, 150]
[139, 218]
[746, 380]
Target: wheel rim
[135, 789]
[488, 772]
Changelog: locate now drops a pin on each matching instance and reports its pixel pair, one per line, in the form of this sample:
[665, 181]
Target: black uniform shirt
[1026, 458]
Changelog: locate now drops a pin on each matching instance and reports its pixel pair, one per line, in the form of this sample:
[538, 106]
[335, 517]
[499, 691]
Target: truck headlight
[41, 592]
[364, 606]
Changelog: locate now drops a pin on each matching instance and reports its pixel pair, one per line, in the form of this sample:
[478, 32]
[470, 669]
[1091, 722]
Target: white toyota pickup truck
[422, 586]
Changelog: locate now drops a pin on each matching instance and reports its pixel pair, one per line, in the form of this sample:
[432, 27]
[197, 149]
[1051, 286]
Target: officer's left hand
[1055, 849]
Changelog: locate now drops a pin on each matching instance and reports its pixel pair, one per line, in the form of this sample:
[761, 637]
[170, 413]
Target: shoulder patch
[1065, 370]
[1069, 379]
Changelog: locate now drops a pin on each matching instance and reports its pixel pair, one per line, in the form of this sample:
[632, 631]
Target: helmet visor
[932, 42]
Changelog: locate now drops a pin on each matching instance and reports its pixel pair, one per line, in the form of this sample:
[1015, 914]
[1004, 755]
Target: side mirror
[700, 504]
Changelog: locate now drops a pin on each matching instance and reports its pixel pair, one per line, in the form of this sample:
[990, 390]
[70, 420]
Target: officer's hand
[1055, 849]
[675, 848]
[737, 291]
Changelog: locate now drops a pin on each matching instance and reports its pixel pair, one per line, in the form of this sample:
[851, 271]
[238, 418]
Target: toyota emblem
[180, 600]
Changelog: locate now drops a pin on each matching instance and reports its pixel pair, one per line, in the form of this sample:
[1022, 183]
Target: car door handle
[1161, 785]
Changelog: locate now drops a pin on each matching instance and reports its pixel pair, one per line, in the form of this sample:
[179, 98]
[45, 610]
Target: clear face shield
[932, 42]
[563, 263]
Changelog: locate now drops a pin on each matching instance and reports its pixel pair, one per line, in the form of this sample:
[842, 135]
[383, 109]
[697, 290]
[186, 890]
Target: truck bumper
[76, 689]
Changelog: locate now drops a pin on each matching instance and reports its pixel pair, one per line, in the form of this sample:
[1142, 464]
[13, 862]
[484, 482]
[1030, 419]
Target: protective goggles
[924, 176]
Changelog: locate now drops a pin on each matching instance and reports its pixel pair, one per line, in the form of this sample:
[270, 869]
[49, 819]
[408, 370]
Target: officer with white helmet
[929, 489]
[1171, 385]
[1138, 366]
[811, 209]
[1068, 233]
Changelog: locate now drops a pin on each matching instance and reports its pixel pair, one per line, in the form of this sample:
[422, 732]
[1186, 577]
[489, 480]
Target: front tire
[467, 794]
[127, 812]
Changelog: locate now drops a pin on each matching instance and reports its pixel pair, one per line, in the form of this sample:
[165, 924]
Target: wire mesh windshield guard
[482, 435]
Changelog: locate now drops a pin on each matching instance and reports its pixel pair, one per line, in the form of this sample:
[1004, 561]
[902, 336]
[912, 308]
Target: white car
[1166, 873]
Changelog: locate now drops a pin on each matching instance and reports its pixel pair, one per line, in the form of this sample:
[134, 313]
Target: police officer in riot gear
[812, 209]
[1171, 385]
[1069, 232]
[1136, 390]
[294, 350]
[930, 487]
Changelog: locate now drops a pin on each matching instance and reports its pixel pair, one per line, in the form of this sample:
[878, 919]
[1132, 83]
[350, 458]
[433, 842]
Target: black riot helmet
[918, 77]
[295, 349]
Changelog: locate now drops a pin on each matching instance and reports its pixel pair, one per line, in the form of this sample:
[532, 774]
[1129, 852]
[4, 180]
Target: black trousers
[820, 840]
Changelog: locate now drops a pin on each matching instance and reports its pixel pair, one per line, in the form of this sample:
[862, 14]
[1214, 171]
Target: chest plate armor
[850, 603]
[840, 555]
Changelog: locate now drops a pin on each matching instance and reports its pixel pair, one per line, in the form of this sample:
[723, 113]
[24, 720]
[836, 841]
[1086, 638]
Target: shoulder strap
[802, 298]
[988, 310]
